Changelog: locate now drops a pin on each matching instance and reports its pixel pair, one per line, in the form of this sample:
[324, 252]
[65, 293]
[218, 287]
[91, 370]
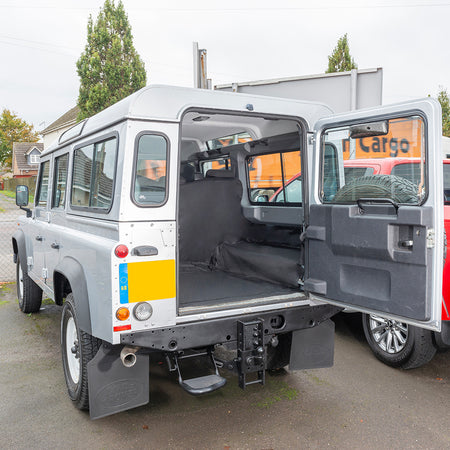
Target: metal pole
[203, 76]
[196, 65]
[353, 89]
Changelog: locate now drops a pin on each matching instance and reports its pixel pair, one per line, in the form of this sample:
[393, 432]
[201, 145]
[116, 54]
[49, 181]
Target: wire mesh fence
[9, 214]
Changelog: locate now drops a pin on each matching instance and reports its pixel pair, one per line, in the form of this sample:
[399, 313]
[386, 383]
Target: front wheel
[77, 348]
[398, 344]
[28, 292]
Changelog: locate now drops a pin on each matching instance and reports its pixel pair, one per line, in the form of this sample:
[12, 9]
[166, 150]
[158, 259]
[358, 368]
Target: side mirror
[22, 195]
[22, 198]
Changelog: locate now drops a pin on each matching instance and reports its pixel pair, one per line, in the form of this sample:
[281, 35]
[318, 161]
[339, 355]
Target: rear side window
[93, 175]
[150, 180]
[41, 198]
[275, 178]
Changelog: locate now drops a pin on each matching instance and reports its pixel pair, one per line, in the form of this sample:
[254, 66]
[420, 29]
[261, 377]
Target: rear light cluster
[141, 311]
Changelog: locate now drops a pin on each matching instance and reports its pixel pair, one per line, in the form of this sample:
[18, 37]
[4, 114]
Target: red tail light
[121, 251]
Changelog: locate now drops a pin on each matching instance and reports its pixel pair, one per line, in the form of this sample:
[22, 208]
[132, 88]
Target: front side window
[41, 198]
[150, 181]
[275, 178]
[394, 147]
[93, 175]
[60, 181]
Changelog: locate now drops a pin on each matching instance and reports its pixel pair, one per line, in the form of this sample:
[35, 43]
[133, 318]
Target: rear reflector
[121, 251]
[122, 327]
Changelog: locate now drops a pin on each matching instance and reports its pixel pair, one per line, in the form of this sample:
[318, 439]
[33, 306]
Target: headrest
[219, 173]
[187, 172]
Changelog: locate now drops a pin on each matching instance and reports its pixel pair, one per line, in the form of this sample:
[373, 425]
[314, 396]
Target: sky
[41, 40]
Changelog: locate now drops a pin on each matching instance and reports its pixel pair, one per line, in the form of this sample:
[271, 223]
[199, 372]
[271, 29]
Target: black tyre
[28, 292]
[398, 189]
[398, 344]
[77, 348]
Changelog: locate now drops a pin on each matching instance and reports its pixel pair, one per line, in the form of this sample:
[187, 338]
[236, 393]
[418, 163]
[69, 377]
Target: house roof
[20, 152]
[67, 119]
[32, 147]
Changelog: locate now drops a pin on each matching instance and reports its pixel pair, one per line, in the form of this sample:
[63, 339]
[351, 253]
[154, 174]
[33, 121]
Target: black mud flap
[113, 387]
[313, 348]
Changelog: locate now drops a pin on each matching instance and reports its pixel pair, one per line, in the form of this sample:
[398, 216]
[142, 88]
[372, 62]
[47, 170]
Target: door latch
[431, 238]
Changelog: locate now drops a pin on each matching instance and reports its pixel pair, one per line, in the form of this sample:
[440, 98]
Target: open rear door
[375, 232]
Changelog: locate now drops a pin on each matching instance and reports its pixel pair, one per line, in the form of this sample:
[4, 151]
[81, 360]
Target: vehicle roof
[168, 103]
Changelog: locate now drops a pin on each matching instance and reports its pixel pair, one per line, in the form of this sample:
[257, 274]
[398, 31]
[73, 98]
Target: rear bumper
[218, 331]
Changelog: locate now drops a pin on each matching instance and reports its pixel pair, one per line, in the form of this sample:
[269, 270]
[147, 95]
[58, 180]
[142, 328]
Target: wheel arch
[19, 248]
[69, 276]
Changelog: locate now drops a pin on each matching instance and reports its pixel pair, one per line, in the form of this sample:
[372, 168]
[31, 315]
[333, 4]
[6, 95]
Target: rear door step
[202, 384]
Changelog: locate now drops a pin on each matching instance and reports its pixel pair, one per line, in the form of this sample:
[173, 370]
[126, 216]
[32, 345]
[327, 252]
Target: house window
[34, 159]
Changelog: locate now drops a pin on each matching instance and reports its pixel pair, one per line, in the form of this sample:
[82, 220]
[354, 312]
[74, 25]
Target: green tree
[13, 129]
[445, 105]
[109, 68]
[340, 60]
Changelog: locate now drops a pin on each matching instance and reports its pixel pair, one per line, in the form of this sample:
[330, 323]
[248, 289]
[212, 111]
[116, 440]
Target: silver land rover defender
[222, 227]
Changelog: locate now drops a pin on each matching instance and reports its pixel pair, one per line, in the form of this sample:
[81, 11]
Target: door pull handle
[55, 245]
[407, 244]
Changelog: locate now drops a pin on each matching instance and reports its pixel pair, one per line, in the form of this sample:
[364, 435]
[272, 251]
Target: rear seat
[209, 214]
[212, 229]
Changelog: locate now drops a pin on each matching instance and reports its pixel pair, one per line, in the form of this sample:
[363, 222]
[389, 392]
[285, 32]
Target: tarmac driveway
[359, 403]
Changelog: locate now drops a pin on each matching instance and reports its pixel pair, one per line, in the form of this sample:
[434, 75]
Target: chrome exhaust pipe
[128, 356]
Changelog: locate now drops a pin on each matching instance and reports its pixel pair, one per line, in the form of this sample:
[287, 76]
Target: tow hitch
[251, 352]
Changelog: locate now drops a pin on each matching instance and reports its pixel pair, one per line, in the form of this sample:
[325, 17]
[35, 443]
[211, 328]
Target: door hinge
[30, 262]
[45, 273]
[430, 238]
[311, 139]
